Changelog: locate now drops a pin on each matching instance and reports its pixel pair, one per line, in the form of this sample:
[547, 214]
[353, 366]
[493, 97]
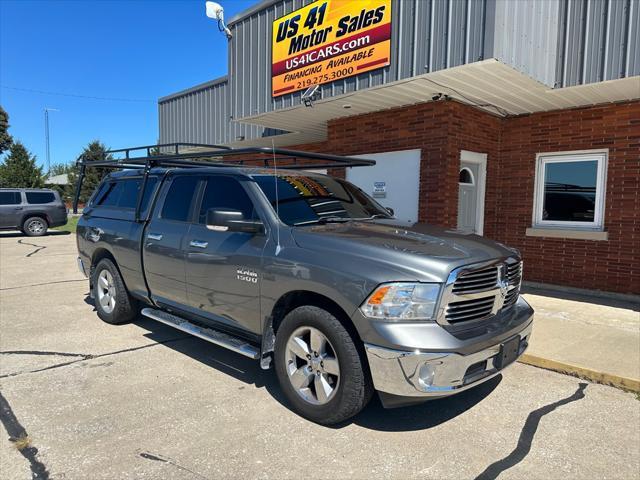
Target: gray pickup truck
[306, 273]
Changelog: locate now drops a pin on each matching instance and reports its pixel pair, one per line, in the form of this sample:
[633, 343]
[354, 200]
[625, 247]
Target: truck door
[10, 208]
[224, 269]
[164, 241]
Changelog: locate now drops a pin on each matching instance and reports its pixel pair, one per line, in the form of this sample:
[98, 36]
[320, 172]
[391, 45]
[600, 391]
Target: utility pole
[46, 135]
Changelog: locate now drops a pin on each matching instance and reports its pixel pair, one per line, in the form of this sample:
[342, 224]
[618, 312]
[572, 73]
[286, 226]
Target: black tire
[354, 389]
[35, 227]
[124, 308]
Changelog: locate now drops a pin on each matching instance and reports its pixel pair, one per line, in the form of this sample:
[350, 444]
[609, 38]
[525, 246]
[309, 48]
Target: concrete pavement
[145, 401]
[592, 337]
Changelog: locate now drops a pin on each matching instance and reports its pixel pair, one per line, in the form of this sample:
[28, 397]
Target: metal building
[517, 120]
[544, 45]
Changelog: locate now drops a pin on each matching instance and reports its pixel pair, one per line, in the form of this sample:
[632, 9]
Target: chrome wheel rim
[106, 291]
[36, 226]
[312, 365]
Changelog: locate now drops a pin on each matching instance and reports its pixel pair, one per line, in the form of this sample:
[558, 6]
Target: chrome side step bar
[214, 336]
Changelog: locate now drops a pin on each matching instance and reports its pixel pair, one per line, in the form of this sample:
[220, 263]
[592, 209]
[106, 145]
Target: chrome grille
[476, 280]
[514, 277]
[480, 291]
[466, 310]
[514, 273]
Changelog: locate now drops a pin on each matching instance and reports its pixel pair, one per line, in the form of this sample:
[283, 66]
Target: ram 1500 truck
[306, 273]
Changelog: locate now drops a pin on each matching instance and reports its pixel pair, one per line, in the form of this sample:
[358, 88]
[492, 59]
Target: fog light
[425, 375]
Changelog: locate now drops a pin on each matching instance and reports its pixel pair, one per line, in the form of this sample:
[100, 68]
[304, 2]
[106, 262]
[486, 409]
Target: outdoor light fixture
[214, 10]
[308, 95]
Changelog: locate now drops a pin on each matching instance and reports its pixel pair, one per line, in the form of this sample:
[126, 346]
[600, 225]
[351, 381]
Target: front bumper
[421, 373]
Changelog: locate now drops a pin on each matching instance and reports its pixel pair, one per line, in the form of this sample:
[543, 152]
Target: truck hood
[423, 252]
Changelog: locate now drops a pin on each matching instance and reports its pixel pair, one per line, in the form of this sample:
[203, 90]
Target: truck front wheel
[319, 368]
[112, 300]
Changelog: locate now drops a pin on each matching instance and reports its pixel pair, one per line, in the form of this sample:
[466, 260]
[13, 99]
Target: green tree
[5, 139]
[19, 169]
[62, 168]
[93, 176]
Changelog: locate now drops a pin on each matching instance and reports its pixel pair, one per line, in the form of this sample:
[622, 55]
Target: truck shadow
[374, 416]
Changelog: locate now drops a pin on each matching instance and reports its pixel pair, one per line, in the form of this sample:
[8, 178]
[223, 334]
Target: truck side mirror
[390, 210]
[223, 220]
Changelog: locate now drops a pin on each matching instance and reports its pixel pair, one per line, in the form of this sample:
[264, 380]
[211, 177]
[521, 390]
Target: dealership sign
[329, 40]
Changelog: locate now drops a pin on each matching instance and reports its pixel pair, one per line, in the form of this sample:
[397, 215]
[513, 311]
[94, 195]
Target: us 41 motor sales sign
[328, 40]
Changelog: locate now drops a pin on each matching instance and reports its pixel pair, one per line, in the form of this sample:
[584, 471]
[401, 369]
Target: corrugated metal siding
[202, 115]
[600, 41]
[525, 36]
[427, 35]
[198, 116]
[556, 42]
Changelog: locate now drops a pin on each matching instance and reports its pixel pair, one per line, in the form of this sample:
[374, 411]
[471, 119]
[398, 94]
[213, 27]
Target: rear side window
[38, 198]
[129, 195]
[131, 190]
[110, 195]
[225, 192]
[148, 192]
[124, 193]
[177, 203]
[10, 198]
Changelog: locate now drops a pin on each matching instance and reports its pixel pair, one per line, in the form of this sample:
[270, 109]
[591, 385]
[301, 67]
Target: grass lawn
[70, 226]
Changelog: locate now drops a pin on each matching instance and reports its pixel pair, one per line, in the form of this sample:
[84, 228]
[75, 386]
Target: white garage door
[394, 181]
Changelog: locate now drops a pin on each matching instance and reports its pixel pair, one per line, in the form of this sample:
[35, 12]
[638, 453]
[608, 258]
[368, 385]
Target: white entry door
[394, 181]
[471, 187]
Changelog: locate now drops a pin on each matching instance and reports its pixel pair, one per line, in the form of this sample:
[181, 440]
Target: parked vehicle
[309, 274]
[31, 210]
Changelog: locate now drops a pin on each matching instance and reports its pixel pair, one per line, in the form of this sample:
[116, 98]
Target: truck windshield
[311, 199]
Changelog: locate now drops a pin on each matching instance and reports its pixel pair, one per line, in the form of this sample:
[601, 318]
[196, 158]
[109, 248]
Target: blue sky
[138, 50]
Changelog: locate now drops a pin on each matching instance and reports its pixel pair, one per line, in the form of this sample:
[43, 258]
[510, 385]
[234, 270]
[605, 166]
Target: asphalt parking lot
[83, 399]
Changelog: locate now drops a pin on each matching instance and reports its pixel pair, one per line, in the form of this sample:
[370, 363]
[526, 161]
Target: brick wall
[442, 129]
[612, 265]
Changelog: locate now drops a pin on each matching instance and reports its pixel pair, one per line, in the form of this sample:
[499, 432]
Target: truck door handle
[18, 208]
[198, 243]
[154, 236]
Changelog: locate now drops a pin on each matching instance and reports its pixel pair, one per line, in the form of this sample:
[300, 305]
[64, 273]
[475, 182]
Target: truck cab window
[225, 192]
[177, 203]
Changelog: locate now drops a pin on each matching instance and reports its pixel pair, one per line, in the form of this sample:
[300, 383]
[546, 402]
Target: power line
[475, 103]
[90, 97]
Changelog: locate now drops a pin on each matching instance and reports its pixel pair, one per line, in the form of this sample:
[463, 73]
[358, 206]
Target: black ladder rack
[169, 155]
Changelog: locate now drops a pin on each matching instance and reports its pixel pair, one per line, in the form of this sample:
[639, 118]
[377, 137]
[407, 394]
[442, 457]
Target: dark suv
[31, 210]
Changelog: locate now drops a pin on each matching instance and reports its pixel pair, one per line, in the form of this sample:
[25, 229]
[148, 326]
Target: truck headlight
[402, 301]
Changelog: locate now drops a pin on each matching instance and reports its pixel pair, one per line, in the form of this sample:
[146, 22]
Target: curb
[624, 383]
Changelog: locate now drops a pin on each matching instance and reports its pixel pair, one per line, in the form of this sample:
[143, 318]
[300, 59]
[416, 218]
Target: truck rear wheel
[112, 300]
[319, 368]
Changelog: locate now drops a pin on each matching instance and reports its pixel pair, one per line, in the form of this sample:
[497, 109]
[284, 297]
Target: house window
[465, 177]
[570, 190]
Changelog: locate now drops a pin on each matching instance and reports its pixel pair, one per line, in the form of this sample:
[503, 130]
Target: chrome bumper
[425, 374]
[81, 267]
